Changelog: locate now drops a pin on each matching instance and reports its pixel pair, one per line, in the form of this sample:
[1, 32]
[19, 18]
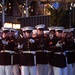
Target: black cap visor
[6, 31]
[41, 29]
[28, 31]
[60, 31]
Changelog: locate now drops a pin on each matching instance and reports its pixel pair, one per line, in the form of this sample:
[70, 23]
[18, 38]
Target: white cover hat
[65, 30]
[46, 31]
[59, 28]
[51, 28]
[8, 29]
[34, 31]
[71, 30]
[40, 26]
[12, 29]
[5, 28]
[28, 28]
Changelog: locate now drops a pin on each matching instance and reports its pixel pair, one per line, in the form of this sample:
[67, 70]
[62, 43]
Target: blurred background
[20, 13]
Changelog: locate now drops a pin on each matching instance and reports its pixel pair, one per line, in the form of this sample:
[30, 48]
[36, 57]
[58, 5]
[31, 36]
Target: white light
[9, 3]
[31, 10]
[71, 4]
[0, 5]
[24, 11]
[74, 5]
[27, 8]
[70, 8]
[16, 26]
[51, 6]
[9, 25]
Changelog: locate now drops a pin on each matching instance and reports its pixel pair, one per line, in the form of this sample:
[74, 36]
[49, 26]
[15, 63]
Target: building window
[46, 7]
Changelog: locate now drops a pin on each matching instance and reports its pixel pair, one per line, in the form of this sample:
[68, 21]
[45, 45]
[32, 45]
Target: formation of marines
[37, 51]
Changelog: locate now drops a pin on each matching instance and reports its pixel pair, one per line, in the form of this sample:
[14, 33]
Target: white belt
[49, 51]
[9, 51]
[41, 51]
[60, 53]
[33, 52]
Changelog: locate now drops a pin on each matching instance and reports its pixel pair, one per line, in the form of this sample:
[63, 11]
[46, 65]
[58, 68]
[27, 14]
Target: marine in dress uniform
[69, 47]
[34, 34]
[41, 54]
[74, 55]
[52, 42]
[46, 33]
[15, 55]
[59, 58]
[28, 51]
[5, 53]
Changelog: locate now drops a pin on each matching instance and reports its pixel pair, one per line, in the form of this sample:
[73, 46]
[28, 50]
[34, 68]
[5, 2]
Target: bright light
[9, 3]
[31, 10]
[51, 6]
[71, 4]
[16, 26]
[9, 25]
[24, 12]
[70, 8]
[0, 5]
[74, 5]
[27, 8]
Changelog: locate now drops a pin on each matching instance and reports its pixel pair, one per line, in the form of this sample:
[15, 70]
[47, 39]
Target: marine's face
[5, 34]
[24, 35]
[40, 32]
[58, 34]
[34, 35]
[27, 34]
[63, 34]
[70, 34]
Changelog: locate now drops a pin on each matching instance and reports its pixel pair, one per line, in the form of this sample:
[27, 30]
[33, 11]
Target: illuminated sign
[11, 25]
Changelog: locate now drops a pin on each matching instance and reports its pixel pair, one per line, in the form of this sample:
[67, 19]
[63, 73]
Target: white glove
[58, 44]
[31, 41]
[4, 42]
[20, 46]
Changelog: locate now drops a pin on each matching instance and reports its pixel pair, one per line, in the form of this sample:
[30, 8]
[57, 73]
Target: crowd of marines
[37, 51]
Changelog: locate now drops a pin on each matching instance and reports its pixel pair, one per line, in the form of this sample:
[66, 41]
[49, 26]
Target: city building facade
[15, 10]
